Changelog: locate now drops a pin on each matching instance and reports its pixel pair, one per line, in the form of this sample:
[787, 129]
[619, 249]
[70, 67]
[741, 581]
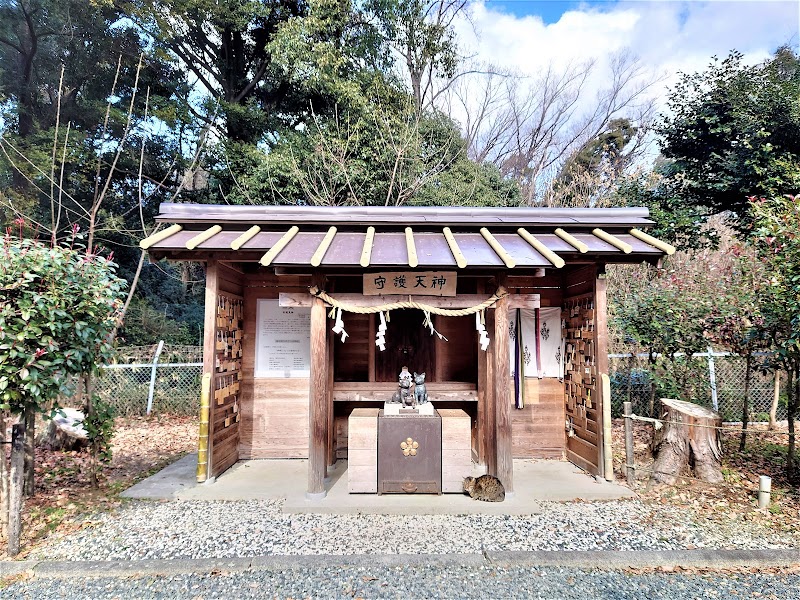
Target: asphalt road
[454, 576]
[416, 582]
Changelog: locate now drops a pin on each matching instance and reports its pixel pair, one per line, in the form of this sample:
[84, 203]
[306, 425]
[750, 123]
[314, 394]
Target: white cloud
[668, 36]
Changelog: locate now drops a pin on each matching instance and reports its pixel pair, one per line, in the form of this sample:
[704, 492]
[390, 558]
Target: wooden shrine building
[311, 312]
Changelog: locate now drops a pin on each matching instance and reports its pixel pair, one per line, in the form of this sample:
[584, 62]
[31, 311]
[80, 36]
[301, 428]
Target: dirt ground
[737, 497]
[140, 446]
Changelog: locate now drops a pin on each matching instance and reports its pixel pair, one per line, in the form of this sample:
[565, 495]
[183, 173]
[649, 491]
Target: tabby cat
[486, 487]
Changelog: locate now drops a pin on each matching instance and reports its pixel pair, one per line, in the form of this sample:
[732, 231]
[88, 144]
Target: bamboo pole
[202, 435]
[608, 458]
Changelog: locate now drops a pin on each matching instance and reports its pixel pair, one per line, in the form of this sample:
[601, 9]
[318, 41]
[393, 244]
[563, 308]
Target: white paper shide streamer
[481, 327]
[380, 337]
[338, 326]
[428, 322]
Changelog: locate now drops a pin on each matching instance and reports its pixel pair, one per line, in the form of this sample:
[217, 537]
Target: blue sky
[551, 11]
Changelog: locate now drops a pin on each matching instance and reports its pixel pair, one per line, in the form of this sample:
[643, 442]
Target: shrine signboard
[283, 337]
[410, 283]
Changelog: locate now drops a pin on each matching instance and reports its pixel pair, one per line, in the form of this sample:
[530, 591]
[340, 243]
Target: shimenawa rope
[445, 312]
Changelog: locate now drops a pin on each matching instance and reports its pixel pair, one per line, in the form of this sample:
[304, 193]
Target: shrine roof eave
[426, 238]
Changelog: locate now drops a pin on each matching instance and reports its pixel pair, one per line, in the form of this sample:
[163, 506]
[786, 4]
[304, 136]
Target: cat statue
[420, 391]
[486, 487]
[404, 395]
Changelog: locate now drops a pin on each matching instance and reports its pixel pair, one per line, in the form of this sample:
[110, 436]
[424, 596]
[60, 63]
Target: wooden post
[502, 404]
[331, 443]
[490, 432]
[30, 451]
[776, 396]
[16, 491]
[630, 471]
[372, 349]
[601, 359]
[210, 352]
[318, 399]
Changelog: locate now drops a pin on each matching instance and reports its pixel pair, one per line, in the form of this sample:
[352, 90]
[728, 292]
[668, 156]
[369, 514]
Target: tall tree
[264, 62]
[733, 131]
[421, 34]
[777, 223]
[530, 126]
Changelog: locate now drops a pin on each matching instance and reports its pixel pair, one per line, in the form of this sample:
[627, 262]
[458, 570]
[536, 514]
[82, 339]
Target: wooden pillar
[318, 398]
[502, 410]
[601, 352]
[210, 349]
[490, 432]
[331, 442]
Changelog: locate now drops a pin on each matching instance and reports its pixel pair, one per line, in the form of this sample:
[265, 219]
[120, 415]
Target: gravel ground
[418, 582]
[195, 529]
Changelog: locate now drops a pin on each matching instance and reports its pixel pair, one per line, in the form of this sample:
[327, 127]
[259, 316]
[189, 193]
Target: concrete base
[534, 481]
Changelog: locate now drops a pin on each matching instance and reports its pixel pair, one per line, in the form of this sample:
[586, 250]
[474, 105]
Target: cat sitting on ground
[486, 487]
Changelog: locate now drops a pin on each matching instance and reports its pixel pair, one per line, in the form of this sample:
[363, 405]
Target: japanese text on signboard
[411, 283]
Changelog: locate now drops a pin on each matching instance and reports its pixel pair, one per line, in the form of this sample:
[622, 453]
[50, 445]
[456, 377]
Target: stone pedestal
[456, 449]
[362, 451]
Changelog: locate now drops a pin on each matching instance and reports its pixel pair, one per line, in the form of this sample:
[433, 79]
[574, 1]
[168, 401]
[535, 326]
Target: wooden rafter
[669, 249]
[316, 260]
[203, 236]
[267, 259]
[498, 248]
[413, 262]
[572, 241]
[366, 251]
[457, 254]
[160, 236]
[554, 258]
[245, 237]
[613, 240]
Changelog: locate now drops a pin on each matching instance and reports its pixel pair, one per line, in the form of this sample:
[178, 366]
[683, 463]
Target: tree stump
[66, 432]
[687, 441]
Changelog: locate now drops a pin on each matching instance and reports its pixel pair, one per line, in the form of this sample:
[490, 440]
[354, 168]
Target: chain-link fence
[153, 379]
[168, 381]
[714, 379]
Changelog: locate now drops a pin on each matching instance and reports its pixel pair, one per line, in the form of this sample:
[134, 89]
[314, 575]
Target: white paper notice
[283, 341]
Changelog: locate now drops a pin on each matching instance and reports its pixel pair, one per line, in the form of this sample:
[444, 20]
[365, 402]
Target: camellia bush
[58, 309]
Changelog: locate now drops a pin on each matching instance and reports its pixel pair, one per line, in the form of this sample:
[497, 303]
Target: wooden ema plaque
[410, 283]
[409, 454]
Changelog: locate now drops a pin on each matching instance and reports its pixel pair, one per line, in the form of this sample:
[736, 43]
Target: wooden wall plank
[538, 428]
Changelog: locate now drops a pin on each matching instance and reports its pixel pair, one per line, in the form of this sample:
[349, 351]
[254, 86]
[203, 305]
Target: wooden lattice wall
[583, 315]
[227, 378]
